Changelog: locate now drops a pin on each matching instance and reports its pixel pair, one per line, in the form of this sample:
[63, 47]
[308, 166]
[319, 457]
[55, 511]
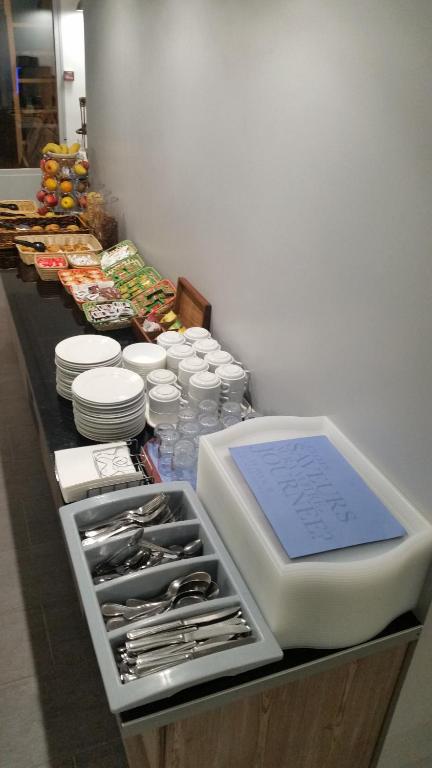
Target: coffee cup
[204, 386]
[233, 381]
[191, 335]
[204, 346]
[167, 339]
[160, 376]
[176, 354]
[188, 367]
[164, 400]
[216, 358]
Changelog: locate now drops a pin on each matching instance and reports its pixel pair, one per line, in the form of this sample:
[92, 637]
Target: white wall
[19, 184]
[278, 154]
[72, 58]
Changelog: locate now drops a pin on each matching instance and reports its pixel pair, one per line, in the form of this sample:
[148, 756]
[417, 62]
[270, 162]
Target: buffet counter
[316, 708]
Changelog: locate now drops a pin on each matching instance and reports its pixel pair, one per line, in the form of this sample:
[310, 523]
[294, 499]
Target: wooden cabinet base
[329, 720]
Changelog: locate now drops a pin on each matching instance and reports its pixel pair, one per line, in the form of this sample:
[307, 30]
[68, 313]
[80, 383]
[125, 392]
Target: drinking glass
[208, 407]
[209, 423]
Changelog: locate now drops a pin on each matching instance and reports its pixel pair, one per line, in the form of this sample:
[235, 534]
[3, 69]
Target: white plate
[109, 416]
[74, 370]
[87, 349]
[106, 409]
[107, 386]
[106, 438]
[101, 420]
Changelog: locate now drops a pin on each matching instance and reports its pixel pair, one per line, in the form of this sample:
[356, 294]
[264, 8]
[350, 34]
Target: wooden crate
[190, 306]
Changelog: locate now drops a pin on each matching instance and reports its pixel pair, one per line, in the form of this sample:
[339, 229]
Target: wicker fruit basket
[94, 315]
[70, 277]
[49, 266]
[7, 235]
[59, 245]
[24, 206]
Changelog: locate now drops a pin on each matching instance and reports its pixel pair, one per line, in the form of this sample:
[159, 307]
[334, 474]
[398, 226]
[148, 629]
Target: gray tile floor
[53, 710]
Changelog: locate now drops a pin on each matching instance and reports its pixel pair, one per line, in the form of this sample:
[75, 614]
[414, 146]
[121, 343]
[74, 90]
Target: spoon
[37, 246]
[163, 601]
[193, 548]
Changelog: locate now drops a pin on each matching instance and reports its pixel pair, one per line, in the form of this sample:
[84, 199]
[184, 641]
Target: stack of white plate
[81, 353]
[109, 404]
[143, 358]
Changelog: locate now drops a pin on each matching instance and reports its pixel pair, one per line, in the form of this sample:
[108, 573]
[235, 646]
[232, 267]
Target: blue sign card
[312, 497]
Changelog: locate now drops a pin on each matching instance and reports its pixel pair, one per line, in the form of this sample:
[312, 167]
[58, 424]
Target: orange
[67, 202]
[50, 184]
[66, 186]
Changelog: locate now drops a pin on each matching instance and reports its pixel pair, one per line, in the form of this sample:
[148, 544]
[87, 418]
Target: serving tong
[38, 245]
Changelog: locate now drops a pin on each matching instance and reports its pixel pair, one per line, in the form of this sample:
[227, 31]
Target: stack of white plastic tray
[327, 600]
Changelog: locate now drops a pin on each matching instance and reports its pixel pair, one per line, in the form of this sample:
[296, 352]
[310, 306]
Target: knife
[174, 638]
[193, 653]
[193, 621]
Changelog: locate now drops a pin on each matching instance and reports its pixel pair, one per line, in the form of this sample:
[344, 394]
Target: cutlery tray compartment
[107, 505]
[163, 535]
[193, 523]
[153, 581]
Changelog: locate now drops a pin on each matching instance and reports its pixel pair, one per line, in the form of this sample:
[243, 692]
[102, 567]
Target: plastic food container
[193, 523]
[328, 600]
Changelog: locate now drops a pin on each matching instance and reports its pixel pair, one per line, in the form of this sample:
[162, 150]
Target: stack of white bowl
[77, 354]
[109, 404]
[143, 358]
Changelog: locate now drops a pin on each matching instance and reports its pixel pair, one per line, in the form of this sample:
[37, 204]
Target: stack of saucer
[109, 404]
[81, 353]
[143, 358]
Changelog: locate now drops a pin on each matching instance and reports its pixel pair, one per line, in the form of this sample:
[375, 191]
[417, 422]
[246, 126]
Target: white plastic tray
[329, 600]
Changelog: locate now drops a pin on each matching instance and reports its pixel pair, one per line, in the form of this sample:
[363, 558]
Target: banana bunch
[61, 149]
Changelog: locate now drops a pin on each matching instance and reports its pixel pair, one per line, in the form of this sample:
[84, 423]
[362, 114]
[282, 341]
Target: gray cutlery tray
[194, 523]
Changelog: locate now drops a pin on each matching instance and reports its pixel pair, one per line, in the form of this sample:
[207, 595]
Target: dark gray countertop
[43, 314]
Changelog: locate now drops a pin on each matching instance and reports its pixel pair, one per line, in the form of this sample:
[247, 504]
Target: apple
[51, 200]
[43, 210]
[86, 164]
[82, 200]
[41, 195]
[42, 165]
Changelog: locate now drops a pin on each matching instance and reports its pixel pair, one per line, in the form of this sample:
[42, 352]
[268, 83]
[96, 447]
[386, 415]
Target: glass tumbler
[208, 407]
[189, 430]
[184, 460]
[231, 413]
[163, 429]
[187, 413]
[166, 450]
[209, 423]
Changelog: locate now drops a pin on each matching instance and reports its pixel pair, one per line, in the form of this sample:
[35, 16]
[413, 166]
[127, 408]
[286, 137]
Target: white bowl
[145, 356]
